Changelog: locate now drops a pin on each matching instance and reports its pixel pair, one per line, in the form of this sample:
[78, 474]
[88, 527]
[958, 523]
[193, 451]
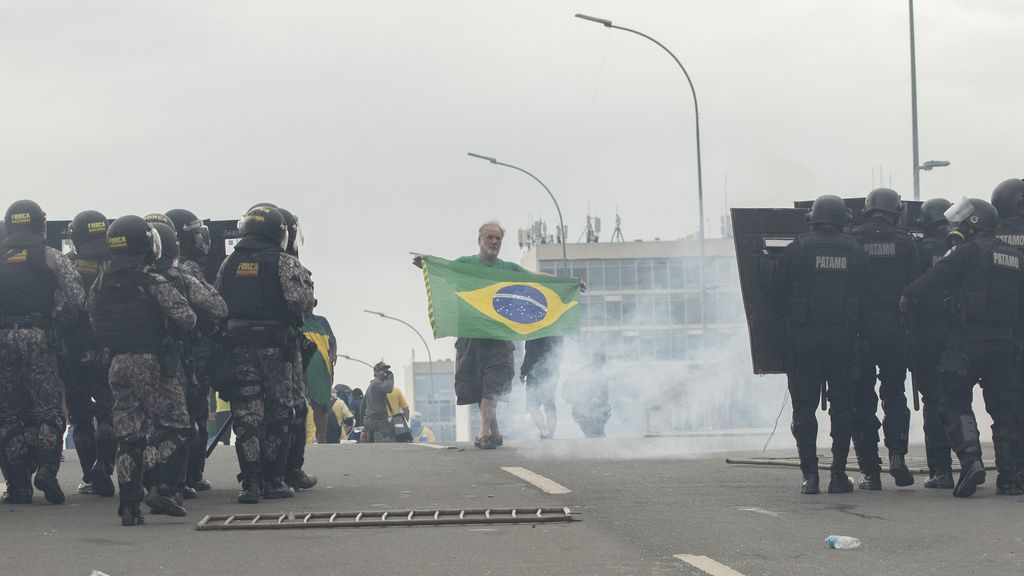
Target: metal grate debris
[281, 520]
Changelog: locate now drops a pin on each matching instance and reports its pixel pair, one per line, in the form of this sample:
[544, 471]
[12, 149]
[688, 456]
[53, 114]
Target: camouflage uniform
[260, 373]
[300, 403]
[84, 367]
[199, 401]
[210, 310]
[31, 393]
[148, 402]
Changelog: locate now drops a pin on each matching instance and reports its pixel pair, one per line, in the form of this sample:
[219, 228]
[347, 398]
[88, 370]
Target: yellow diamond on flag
[523, 307]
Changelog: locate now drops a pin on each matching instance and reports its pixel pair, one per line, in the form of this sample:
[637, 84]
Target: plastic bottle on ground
[842, 542]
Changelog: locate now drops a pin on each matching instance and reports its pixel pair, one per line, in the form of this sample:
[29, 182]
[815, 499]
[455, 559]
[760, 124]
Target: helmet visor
[154, 237]
[959, 212]
[201, 233]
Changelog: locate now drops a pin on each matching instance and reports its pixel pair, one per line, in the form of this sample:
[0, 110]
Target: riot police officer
[986, 277]
[819, 285]
[134, 312]
[295, 476]
[210, 310]
[928, 332]
[1008, 199]
[267, 292]
[85, 365]
[891, 264]
[194, 243]
[41, 295]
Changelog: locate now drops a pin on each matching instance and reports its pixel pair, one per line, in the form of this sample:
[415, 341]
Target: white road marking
[429, 445]
[760, 511]
[707, 565]
[545, 484]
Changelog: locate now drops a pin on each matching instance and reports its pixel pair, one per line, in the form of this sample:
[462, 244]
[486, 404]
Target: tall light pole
[561, 224]
[696, 114]
[430, 358]
[347, 357]
[913, 105]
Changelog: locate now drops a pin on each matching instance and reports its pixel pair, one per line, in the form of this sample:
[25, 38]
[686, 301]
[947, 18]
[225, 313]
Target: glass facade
[653, 308]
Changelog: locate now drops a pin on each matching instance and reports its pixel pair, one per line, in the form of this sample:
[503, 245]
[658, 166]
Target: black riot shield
[908, 219]
[223, 236]
[57, 235]
[760, 234]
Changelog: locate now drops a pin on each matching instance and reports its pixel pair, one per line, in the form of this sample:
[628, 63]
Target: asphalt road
[639, 502]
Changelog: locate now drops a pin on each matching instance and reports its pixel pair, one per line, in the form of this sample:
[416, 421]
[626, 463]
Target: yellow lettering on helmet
[117, 242]
[248, 269]
[21, 218]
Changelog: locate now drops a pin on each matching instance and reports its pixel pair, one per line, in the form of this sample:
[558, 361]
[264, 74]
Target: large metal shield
[908, 219]
[223, 236]
[760, 234]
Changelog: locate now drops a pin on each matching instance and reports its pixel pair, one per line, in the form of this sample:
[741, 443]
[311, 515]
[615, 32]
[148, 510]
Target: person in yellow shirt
[345, 419]
[420, 433]
[397, 404]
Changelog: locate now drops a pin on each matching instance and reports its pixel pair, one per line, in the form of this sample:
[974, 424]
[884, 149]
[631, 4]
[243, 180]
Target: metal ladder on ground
[282, 520]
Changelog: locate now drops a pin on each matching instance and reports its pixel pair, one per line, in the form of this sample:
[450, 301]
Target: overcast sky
[357, 116]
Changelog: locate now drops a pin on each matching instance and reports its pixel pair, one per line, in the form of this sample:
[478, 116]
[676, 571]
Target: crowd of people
[864, 305]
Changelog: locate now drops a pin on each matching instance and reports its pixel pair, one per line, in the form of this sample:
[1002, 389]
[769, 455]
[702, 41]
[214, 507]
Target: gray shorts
[483, 369]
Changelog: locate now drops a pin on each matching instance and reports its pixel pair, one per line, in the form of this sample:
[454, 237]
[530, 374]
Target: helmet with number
[132, 241]
[169, 251]
[26, 224]
[933, 212]
[88, 233]
[193, 235]
[973, 213]
[883, 200]
[267, 222]
[829, 209]
[1008, 197]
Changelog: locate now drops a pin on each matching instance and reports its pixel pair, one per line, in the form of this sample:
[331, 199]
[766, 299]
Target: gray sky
[357, 117]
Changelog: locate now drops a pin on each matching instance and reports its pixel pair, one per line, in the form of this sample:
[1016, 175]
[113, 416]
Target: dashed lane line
[429, 445]
[707, 565]
[545, 484]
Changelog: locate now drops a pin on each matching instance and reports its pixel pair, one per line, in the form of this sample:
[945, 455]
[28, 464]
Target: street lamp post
[913, 106]
[347, 357]
[696, 114]
[430, 358]
[561, 224]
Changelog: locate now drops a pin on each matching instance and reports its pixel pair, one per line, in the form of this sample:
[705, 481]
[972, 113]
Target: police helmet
[933, 212]
[3, 231]
[883, 200]
[193, 235]
[26, 224]
[829, 209]
[169, 251]
[267, 222]
[131, 241]
[295, 238]
[158, 217]
[973, 213]
[1008, 197]
[88, 233]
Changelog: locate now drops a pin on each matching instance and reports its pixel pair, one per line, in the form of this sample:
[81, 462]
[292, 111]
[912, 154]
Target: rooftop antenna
[617, 233]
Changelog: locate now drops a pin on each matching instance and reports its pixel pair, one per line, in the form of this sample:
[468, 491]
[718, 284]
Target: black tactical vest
[824, 282]
[930, 250]
[88, 268]
[991, 294]
[125, 316]
[888, 261]
[27, 283]
[1011, 231]
[250, 283]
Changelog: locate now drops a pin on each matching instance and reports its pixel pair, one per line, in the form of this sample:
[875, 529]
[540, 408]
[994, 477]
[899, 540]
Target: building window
[679, 344]
[694, 347]
[629, 310]
[692, 266]
[645, 309]
[547, 267]
[596, 308]
[711, 307]
[662, 309]
[660, 274]
[643, 274]
[613, 312]
[595, 276]
[628, 274]
[678, 307]
[693, 309]
[663, 344]
[676, 277]
[612, 277]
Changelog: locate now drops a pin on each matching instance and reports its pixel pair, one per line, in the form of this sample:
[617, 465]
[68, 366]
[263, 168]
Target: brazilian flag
[471, 301]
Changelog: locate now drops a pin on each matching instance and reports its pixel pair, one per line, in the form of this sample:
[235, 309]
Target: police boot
[275, 488]
[870, 481]
[160, 500]
[1007, 481]
[810, 484]
[299, 480]
[940, 479]
[839, 483]
[250, 480]
[1008, 484]
[99, 479]
[972, 473]
[46, 482]
[131, 514]
[19, 488]
[187, 491]
[899, 471]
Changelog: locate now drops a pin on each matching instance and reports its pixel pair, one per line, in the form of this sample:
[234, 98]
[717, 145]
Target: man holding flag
[488, 303]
